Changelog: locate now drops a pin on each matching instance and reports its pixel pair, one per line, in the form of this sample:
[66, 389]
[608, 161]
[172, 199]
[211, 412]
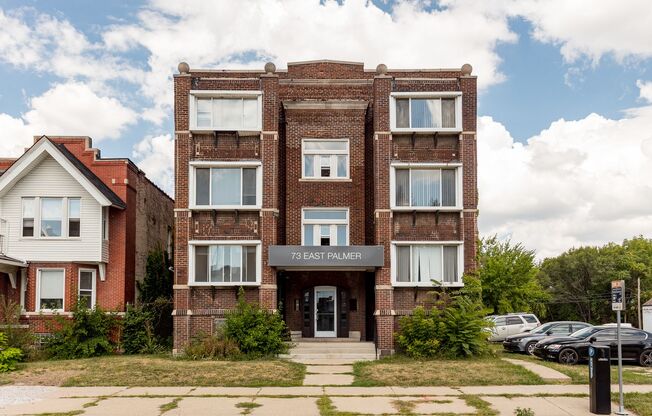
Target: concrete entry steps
[342, 352]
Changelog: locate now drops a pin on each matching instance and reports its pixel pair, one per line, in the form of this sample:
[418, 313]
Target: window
[225, 263]
[325, 158]
[421, 264]
[230, 111]
[325, 227]
[87, 287]
[424, 187]
[606, 335]
[227, 186]
[28, 216]
[514, 320]
[632, 335]
[560, 329]
[426, 112]
[577, 327]
[74, 217]
[501, 321]
[51, 217]
[105, 223]
[531, 319]
[50, 290]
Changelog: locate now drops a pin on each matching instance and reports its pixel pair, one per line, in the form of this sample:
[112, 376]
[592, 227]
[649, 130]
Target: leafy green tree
[508, 277]
[158, 279]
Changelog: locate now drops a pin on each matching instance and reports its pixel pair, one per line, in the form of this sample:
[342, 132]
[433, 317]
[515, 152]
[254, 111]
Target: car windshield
[585, 332]
[542, 329]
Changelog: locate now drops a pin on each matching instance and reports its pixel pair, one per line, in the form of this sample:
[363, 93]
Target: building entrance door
[325, 307]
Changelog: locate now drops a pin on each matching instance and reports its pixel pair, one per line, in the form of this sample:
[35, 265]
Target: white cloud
[589, 28]
[66, 109]
[578, 182]
[155, 156]
[645, 92]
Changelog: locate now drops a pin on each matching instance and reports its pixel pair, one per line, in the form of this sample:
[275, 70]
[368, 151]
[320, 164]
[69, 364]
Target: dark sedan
[636, 345]
[525, 342]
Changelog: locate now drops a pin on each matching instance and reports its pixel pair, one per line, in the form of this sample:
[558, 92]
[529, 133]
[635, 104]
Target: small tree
[155, 294]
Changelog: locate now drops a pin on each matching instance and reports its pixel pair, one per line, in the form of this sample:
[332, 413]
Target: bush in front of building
[138, 332]
[256, 331]
[205, 346]
[9, 356]
[18, 336]
[90, 333]
[454, 328]
[155, 294]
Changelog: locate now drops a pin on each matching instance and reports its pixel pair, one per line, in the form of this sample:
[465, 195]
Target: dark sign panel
[332, 257]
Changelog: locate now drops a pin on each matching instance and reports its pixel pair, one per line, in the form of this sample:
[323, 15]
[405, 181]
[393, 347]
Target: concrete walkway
[547, 400]
[546, 373]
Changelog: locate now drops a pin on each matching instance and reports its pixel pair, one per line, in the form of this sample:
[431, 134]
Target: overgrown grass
[404, 371]
[639, 403]
[149, 371]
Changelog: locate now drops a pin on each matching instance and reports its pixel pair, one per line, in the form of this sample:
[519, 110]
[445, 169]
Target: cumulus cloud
[66, 109]
[155, 156]
[577, 182]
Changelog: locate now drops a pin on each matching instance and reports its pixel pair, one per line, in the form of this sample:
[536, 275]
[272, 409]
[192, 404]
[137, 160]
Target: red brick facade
[361, 114]
[145, 223]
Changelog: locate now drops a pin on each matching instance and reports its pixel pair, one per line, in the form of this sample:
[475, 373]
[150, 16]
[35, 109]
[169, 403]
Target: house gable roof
[86, 178]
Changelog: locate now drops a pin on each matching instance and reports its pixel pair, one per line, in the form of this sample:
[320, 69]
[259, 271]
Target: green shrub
[523, 412]
[211, 347]
[454, 328]
[418, 337]
[87, 334]
[9, 356]
[155, 294]
[17, 335]
[138, 335]
[257, 332]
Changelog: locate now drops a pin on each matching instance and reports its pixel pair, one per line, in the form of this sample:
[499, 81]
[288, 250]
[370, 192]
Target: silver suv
[512, 324]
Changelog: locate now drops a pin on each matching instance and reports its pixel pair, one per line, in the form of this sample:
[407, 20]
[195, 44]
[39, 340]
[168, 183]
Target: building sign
[326, 257]
[618, 295]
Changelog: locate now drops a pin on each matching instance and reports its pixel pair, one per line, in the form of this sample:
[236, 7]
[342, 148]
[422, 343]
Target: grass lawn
[632, 374]
[640, 403]
[403, 371]
[157, 370]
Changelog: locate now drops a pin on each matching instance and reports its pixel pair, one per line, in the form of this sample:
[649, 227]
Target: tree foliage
[508, 278]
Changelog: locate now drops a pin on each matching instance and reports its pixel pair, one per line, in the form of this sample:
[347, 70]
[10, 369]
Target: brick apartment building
[332, 193]
[74, 225]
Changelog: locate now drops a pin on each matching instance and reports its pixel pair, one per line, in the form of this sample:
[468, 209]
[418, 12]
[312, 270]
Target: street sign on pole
[618, 304]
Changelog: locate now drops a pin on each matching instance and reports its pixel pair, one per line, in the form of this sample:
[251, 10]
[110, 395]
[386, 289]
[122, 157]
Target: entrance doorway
[325, 307]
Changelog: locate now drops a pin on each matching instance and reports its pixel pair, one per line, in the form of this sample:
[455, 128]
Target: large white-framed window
[225, 263]
[426, 186]
[216, 110]
[50, 290]
[28, 208]
[325, 227]
[325, 159]
[426, 111]
[226, 185]
[86, 287]
[427, 263]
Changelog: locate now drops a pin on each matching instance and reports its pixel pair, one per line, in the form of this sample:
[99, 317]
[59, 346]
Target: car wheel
[646, 358]
[568, 356]
[529, 348]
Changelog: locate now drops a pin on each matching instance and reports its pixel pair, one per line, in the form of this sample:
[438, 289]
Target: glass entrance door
[325, 307]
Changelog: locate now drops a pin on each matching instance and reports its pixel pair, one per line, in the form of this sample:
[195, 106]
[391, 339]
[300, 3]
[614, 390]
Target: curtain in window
[204, 110]
[448, 187]
[308, 235]
[249, 272]
[249, 186]
[402, 112]
[225, 186]
[450, 264]
[202, 186]
[426, 263]
[217, 263]
[51, 289]
[448, 112]
[402, 263]
[236, 263]
[425, 187]
[426, 113]
[402, 187]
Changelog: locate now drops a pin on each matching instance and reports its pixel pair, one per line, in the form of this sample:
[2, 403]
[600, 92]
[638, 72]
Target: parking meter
[600, 380]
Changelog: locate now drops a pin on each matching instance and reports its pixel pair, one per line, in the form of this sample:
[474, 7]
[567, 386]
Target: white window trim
[332, 223]
[36, 221]
[38, 290]
[68, 217]
[104, 225]
[194, 94]
[226, 164]
[459, 185]
[460, 263]
[191, 261]
[452, 94]
[320, 178]
[64, 218]
[94, 284]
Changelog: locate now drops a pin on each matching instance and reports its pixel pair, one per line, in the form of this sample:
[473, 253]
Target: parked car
[512, 324]
[636, 345]
[525, 341]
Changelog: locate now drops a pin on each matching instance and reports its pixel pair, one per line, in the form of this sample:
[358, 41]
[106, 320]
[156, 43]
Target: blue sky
[542, 71]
